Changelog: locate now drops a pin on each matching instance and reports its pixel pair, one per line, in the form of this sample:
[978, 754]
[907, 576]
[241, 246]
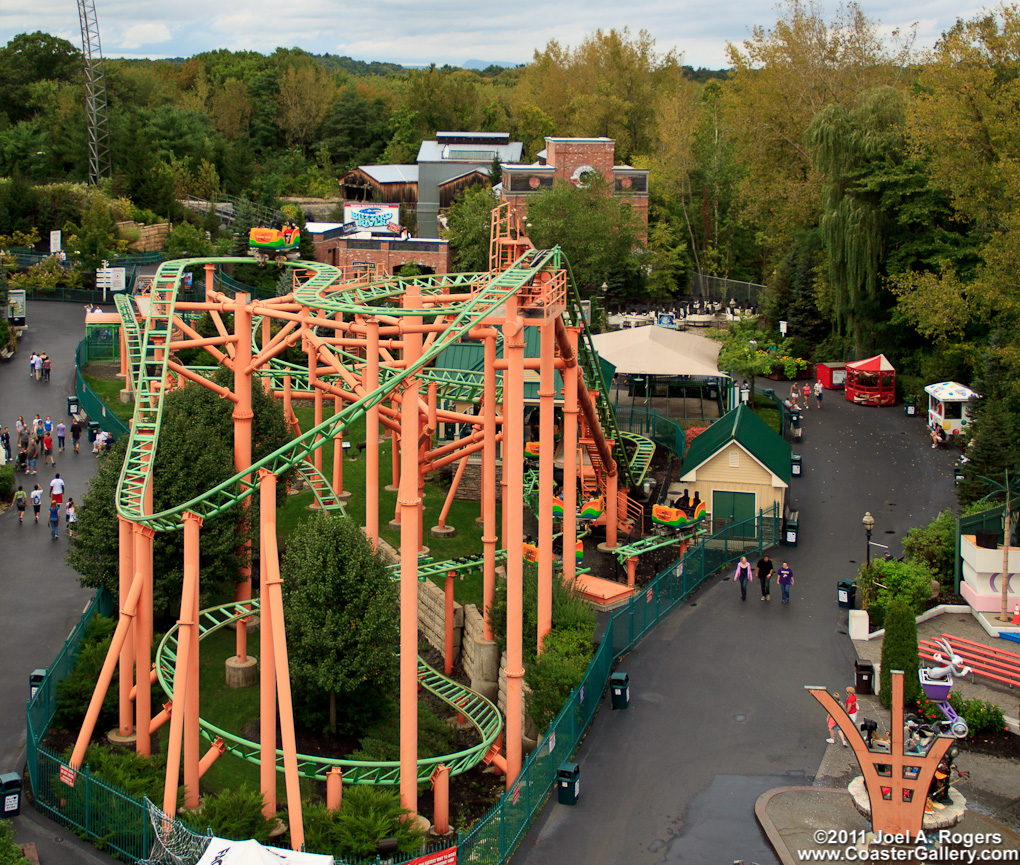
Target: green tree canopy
[468, 227]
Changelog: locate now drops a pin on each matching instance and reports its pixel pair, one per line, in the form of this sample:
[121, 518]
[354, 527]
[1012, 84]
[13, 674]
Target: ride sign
[374, 217]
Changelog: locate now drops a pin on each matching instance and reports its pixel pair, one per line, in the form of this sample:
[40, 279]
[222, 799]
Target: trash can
[35, 680]
[796, 467]
[958, 475]
[568, 783]
[846, 594]
[865, 675]
[72, 405]
[619, 690]
[93, 430]
[10, 789]
[909, 406]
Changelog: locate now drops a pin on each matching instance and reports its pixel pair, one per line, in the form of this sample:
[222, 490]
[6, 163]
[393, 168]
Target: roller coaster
[372, 346]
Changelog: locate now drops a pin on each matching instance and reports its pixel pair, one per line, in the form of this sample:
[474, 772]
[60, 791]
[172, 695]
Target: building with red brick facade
[381, 254]
[569, 160]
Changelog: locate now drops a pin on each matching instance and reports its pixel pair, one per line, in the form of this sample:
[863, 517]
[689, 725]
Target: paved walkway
[40, 599]
[718, 711]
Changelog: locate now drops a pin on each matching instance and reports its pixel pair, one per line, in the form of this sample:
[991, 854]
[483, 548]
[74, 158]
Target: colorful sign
[440, 857]
[377, 218]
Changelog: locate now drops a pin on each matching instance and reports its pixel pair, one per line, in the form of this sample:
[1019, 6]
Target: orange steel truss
[358, 336]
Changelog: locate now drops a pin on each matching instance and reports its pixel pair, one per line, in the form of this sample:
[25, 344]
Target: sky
[454, 31]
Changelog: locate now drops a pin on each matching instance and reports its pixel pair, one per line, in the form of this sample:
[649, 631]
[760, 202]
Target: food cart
[949, 405]
[871, 381]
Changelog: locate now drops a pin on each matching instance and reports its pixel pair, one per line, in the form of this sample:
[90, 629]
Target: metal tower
[95, 93]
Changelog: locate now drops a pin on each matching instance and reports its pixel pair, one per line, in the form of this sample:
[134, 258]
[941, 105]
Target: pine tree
[899, 652]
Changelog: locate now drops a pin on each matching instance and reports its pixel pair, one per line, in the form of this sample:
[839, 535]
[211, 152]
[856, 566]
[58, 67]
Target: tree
[306, 94]
[340, 605]
[468, 228]
[96, 239]
[32, 57]
[599, 234]
[740, 353]
[186, 241]
[899, 652]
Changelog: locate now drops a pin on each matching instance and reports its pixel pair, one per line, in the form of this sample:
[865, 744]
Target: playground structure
[370, 346]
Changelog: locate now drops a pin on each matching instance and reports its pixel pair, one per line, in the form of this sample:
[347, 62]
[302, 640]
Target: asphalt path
[718, 711]
[40, 598]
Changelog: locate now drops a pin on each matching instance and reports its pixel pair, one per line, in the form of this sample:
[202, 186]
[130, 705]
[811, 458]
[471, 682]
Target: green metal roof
[744, 427]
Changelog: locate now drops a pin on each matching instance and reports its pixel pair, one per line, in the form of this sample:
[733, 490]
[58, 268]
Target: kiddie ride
[937, 682]
[672, 522]
[279, 243]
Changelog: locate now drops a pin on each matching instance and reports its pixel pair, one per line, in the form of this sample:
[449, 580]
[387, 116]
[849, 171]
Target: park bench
[991, 663]
[6, 353]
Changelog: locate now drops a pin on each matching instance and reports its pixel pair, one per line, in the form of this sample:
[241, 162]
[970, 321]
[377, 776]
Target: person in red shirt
[851, 704]
[47, 444]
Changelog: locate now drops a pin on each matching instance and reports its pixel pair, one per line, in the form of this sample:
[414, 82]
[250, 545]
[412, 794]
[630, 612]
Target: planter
[802, 375]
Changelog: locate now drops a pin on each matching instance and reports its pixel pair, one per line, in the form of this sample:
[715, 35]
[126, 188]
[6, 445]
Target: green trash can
[35, 680]
[846, 594]
[93, 430]
[909, 406]
[72, 405]
[796, 466]
[10, 790]
[568, 783]
[619, 690]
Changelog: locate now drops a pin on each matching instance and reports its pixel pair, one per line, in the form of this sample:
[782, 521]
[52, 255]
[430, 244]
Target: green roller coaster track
[148, 369]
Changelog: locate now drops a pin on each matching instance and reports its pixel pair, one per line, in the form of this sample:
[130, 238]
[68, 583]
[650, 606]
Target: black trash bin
[568, 783]
[865, 676]
[35, 679]
[796, 466]
[93, 430]
[619, 690]
[10, 790]
[72, 405]
[846, 594]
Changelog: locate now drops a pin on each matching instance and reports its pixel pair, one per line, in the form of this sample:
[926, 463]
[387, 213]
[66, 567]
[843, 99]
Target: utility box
[568, 783]
[10, 790]
[35, 680]
[796, 466]
[846, 595]
[619, 690]
[865, 677]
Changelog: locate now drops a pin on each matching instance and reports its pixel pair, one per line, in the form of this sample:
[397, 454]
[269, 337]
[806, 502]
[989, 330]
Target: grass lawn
[108, 390]
[467, 541]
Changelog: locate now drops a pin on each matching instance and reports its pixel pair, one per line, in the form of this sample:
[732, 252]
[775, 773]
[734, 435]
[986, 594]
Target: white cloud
[149, 33]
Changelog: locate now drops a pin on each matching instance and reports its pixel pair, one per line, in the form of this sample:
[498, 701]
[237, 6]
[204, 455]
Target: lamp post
[869, 524]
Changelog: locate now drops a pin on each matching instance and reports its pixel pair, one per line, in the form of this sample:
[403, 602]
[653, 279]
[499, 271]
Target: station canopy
[654, 350]
[250, 852]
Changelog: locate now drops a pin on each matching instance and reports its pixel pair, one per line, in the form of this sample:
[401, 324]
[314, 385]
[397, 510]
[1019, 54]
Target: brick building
[569, 160]
[384, 255]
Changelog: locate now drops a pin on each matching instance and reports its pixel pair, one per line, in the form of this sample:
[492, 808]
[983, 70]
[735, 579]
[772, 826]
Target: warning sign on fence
[440, 857]
[67, 775]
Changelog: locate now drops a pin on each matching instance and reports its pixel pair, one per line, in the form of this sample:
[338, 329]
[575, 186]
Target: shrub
[434, 737]
[934, 545]
[981, 716]
[10, 852]
[368, 815]
[128, 771]
[558, 670]
[885, 580]
[233, 814]
[75, 692]
[6, 482]
[899, 652]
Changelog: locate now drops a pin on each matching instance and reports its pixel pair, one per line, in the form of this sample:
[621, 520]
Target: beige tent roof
[654, 350]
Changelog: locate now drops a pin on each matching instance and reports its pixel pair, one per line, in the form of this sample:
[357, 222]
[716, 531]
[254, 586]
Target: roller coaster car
[531, 451]
[276, 244]
[530, 552]
[672, 521]
[557, 508]
[592, 509]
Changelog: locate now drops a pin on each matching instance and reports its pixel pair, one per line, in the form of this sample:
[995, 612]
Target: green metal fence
[88, 399]
[650, 424]
[119, 822]
[990, 519]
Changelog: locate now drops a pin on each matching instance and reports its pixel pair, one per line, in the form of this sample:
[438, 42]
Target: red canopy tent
[871, 381]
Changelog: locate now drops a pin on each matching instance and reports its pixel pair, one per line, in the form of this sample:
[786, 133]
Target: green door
[729, 508]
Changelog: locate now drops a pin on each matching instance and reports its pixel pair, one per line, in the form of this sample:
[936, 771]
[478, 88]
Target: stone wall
[151, 238]
[470, 487]
[432, 616]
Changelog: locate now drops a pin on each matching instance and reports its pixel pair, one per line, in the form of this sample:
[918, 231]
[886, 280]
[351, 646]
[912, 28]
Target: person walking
[5, 443]
[36, 423]
[833, 726]
[57, 489]
[48, 424]
[23, 436]
[47, 366]
[61, 435]
[765, 576]
[19, 425]
[75, 432]
[71, 515]
[31, 365]
[819, 392]
[743, 573]
[785, 581]
[38, 367]
[54, 520]
[47, 448]
[36, 495]
[851, 704]
[32, 456]
[21, 502]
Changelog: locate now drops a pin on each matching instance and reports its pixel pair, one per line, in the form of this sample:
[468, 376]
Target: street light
[869, 524]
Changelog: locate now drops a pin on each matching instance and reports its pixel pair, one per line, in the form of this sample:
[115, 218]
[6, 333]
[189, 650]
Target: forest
[868, 185]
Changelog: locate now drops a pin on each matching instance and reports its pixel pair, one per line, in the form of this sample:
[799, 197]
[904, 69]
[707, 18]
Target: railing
[495, 837]
[649, 423]
[88, 399]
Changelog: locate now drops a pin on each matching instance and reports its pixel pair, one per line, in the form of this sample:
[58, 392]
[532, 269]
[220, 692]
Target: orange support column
[334, 788]
[242, 416]
[410, 505]
[313, 378]
[546, 395]
[489, 537]
[338, 452]
[612, 510]
[513, 475]
[371, 383]
[267, 494]
[186, 624]
[143, 636]
[267, 672]
[570, 412]
[192, 745]
[210, 280]
[126, 724]
[441, 800]
[631, 571]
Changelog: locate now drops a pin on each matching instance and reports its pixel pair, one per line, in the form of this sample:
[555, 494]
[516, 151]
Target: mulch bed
[1001, 744]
